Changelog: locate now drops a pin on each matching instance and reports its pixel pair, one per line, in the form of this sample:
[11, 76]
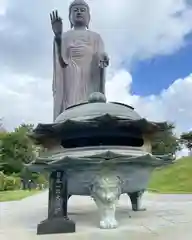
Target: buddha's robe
[81, 50]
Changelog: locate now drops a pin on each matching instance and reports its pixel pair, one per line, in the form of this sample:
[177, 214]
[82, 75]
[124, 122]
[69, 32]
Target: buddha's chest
[80, 37]
[80, 45]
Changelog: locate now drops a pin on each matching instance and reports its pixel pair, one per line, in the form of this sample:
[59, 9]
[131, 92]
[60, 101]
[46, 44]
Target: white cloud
[25, 99]
[3, 6]
[132, 30]
[172, 104]
[183, 153]
[142, 29]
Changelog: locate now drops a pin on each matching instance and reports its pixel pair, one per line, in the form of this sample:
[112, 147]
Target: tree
[25, 128]
[165, 142]
[186, 139]
[16, 149]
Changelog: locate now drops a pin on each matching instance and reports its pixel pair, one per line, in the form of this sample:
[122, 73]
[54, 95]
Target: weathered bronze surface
[79, 59]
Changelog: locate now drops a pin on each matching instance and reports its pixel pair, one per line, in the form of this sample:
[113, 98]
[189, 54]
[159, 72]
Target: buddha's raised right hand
[56, 23]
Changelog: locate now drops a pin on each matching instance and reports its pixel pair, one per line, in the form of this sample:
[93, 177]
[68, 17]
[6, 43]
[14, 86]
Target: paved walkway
[168, 216]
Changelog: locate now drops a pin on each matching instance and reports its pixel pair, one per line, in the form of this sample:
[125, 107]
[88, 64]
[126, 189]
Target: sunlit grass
[176, 178]
[16, 195]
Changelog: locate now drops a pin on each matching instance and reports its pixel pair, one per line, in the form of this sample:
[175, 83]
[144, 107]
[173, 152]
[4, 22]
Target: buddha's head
[79, 14]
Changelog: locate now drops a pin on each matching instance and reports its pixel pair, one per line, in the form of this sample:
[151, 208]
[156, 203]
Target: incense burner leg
[135, 198]
[106, 191]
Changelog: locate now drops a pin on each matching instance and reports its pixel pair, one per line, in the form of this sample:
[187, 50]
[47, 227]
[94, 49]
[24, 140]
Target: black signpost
[57, 221]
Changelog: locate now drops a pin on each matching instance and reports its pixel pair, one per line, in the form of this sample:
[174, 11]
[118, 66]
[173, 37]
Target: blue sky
[154, 75]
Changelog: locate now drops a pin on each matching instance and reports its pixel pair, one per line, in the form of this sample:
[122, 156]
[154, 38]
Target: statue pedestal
[57, 221]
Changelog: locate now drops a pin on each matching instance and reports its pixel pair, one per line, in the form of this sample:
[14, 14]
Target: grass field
[176, 178]
[16, 195]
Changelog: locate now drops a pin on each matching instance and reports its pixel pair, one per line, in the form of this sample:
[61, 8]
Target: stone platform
[168, 216]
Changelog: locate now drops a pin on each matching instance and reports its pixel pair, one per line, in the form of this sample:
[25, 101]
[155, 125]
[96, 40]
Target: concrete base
[55, 226]
[167, 217]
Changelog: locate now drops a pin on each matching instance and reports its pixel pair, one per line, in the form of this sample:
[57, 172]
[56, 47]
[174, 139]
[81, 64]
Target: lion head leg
[106, 191]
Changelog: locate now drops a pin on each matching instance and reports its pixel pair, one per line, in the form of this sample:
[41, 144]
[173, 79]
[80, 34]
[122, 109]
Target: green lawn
[176, 178]
[16, 195]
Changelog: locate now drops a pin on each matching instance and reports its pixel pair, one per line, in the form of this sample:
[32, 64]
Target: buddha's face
[79, 15]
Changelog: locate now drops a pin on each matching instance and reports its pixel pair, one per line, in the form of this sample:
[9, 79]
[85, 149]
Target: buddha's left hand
[104, 61]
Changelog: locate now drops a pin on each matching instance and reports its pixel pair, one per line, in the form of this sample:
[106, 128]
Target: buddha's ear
[70, 20]
[88, 20]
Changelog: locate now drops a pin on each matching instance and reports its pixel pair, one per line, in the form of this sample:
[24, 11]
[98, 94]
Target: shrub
[9, 182]
[2, 181]
[41, 179]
